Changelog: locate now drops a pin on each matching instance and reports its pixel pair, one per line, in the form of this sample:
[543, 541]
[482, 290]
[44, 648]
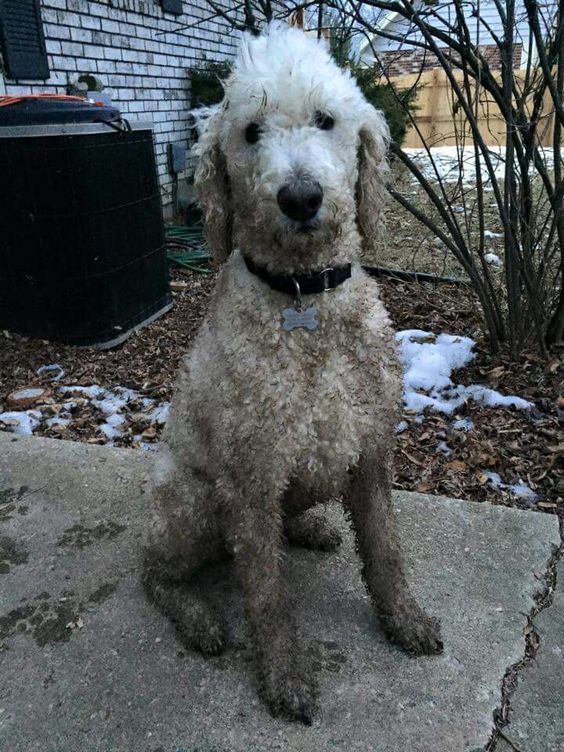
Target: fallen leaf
[425, 487]
[457, 466]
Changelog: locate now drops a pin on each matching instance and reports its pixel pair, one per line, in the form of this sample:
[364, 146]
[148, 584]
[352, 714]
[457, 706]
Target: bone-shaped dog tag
[295, 318]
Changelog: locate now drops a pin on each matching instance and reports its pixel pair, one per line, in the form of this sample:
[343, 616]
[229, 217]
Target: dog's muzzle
[300, 200]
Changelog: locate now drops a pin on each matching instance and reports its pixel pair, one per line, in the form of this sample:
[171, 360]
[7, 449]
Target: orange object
[5, 101]
[25, 398]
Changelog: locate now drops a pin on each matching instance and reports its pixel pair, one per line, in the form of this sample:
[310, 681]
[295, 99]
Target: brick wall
[145, 71]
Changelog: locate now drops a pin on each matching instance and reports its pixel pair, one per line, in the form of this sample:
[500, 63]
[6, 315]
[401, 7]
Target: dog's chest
[330, 416]
[313, 395]
[308, 401]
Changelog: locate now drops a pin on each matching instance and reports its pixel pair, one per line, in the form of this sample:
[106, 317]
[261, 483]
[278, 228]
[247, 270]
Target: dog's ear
[212, 187]
[372, 173]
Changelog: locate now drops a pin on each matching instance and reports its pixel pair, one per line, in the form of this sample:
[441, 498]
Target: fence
[442, 123]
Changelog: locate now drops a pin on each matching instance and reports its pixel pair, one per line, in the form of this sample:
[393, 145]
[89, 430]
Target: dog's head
[292, 163]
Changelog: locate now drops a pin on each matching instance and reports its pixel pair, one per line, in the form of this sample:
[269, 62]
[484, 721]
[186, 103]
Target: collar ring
[298, 294]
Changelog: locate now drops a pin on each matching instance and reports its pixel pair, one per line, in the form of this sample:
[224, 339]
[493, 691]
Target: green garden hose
[185, 247]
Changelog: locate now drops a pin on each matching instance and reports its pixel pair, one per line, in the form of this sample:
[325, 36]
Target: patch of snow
[444, 448]
[490, 234]
[109, 431]
[417, 402]
[402, 426]
[521, 490]
[463, 424]
[115, 420]
[492, 259]
[110, 404]
[494, 478]
[21, 422]
[147, 447]
[491, 398]
[113, 404]
[53, 368]
[160, 413]
[429, 361]
[453, 164]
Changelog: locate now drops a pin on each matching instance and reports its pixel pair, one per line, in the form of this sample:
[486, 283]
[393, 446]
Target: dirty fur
[266, 424]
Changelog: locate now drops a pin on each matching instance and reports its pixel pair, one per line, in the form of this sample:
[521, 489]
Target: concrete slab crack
[514, 748]
[543, 600]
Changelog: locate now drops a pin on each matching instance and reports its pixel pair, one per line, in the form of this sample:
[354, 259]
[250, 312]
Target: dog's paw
[290, 694]
[313, 532]
[413, 630]
[203, 632]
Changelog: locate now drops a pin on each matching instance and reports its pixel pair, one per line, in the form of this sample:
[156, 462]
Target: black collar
[304, 284]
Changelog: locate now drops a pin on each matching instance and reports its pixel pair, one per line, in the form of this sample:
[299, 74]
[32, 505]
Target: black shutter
[172, 6]
[23, 42]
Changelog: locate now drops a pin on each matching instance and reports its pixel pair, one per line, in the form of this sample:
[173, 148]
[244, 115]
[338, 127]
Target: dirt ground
[521, 446]
[407, 244]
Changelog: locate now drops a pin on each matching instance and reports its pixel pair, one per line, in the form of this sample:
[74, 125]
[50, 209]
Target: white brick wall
[122, 43]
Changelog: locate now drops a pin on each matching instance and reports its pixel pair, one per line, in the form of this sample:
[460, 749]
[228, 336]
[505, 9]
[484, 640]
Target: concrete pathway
[87, 664]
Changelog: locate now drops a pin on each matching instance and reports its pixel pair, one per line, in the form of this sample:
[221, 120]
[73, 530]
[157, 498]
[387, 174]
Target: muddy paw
[414, 631]
[206, 633]
[292, 695]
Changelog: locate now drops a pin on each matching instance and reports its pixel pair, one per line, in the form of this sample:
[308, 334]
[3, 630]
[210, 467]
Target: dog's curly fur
[267, 423]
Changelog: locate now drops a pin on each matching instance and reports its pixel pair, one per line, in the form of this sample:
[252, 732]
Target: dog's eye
[252, 133]
[324, 121]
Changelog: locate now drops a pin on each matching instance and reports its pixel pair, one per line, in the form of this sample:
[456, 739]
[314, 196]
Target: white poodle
[290, 393]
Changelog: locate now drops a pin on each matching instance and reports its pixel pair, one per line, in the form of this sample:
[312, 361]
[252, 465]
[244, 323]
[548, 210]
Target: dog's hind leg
[369, 502]
[167, 585]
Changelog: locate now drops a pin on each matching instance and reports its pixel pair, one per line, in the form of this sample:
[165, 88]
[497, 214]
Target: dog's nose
[300, 200]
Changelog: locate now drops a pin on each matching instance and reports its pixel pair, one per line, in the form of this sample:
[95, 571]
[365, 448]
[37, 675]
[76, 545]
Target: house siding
[140, 55]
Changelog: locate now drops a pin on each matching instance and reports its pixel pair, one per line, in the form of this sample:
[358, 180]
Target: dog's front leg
[253, 523]
[370, 505]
